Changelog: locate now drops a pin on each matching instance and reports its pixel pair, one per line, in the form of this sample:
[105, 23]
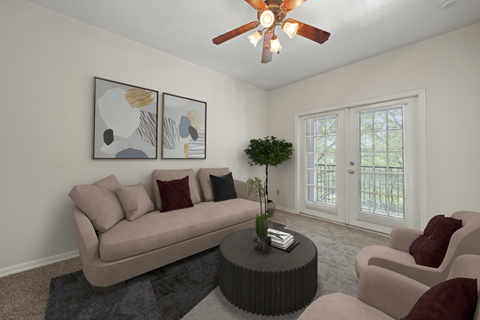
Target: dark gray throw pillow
[223, 187]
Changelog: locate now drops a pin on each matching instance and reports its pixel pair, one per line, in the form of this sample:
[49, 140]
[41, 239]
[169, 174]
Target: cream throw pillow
[99, 201]
[135, 201]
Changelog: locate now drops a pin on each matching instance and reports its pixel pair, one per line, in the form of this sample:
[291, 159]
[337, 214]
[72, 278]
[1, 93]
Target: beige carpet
[24, 295]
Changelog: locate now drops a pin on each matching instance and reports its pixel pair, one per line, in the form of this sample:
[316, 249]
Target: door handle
[351, 171]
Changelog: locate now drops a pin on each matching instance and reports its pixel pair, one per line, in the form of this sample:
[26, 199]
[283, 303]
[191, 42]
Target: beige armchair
[396, 256]
[385, 295]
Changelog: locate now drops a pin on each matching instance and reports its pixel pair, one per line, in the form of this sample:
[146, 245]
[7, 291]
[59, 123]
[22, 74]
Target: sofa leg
[109, 288]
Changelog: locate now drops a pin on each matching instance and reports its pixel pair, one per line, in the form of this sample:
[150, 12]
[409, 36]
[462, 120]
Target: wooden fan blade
[310, 32]
[289, 5]
[235, 32]
[258, 5]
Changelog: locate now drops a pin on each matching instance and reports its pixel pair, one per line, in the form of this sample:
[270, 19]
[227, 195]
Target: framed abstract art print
[125, 122]
[184, 128]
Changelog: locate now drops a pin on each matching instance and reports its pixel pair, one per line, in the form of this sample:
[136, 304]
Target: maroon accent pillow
[175, 194]
[430, 248]
[454, 299]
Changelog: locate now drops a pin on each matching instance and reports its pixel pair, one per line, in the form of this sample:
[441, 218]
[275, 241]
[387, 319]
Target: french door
[323, 152]
[357, 165]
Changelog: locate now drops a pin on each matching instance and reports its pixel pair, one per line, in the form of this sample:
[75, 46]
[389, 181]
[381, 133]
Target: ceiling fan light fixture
[275, 44]
[290, 29]
[255, 37]
[267, 18]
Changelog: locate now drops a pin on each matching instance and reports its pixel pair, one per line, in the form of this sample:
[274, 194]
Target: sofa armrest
[388, 291]
[240, 190]
[86, 237]
[426, 275]
[402, 238]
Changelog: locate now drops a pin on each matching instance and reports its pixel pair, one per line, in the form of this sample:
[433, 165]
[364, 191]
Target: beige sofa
[131, 248]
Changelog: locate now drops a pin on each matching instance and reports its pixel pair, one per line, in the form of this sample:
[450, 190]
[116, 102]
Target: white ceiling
[185, 28]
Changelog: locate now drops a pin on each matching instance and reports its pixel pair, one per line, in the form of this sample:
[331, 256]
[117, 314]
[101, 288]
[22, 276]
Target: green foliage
[270, 151]
[254, 186]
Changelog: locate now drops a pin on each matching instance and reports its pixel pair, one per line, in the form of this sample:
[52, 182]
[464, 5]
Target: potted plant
[269, 151]
[255, 187]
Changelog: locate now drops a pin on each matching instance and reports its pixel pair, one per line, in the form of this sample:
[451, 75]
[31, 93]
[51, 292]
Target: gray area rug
[336, 273]
[166, 293]
[71, 297]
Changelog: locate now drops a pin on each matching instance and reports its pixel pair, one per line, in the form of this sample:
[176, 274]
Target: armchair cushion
[389, 291]
[364, 256]
[430, 248]
[454, 299]
[340, 306]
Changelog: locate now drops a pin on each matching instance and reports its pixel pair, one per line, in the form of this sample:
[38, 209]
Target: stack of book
[280, 239]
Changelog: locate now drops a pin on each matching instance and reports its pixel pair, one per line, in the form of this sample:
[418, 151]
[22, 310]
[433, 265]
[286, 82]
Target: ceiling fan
[272, 14]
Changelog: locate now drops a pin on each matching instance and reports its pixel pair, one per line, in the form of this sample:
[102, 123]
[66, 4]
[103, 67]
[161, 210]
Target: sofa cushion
[167, 175]
[452, 299]
[204, 179]
[174, 194]
[99, 201]
[430, 248]
[159, 229]
[223, 187]
[135, 201]
[148, 188]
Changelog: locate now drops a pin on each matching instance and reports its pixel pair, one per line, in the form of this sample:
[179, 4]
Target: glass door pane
[321, 156]
[381, 146]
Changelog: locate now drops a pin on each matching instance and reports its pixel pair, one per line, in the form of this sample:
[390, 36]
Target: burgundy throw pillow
[454, 299]
[175, 194]
[430, 248]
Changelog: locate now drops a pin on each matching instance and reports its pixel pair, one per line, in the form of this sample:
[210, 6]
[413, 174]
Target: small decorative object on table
[264, 241]
[255, 187]
[280, 239]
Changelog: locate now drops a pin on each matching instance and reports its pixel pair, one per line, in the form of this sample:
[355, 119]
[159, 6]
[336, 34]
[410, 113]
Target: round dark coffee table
[272, 283]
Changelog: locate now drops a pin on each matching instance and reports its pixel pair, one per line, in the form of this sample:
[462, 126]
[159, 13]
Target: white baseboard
[285, 209]
[38, 263]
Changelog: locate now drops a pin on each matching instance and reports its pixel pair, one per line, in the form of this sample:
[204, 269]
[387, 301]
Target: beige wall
[448, 66]
[47, 65]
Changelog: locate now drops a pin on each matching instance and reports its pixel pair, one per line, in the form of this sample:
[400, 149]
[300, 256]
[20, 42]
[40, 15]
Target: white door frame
[420, 94]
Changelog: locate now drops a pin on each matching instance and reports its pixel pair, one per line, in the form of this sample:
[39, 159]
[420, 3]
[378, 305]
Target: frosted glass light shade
[255, 37]
[275, 44]
[267, 18]
[290, 29]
